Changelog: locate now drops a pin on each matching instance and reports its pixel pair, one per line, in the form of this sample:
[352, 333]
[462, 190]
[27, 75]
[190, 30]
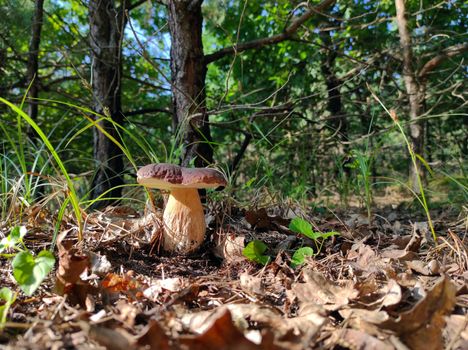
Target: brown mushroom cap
[166, 176]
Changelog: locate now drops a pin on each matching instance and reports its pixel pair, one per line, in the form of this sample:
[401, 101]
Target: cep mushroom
[183, 217]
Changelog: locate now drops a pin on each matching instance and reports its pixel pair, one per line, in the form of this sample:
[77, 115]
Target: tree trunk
[107, 25]
[334, 99]
[416, 94]
[33, 58]
[188, 73]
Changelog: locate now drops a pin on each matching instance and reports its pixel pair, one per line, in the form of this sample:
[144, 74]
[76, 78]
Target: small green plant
[300, 256]
[421, 197]
[7, 298]
[28, 270]
[343, 180]
[303, 227]
[362, 166]
[254, 251]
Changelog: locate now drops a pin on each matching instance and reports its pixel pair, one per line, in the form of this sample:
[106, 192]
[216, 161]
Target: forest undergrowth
[275, 273]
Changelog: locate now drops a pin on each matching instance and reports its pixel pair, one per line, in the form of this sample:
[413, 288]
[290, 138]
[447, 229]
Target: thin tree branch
[50, 83]
[259, 43]
[437, 60]
[146, 110]
[146, 83]
[240, 153]
[134, 5]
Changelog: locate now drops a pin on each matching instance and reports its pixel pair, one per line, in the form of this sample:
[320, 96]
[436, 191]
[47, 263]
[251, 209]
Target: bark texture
[107, 24]
[188, 73]
[33, 58]
[333, 83]
[415, 92]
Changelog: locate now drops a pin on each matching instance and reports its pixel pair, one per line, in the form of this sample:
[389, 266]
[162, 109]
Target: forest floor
[378, 285]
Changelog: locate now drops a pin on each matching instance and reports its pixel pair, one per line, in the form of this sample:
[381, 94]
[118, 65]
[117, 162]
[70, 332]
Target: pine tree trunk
[188, 73]
[415, 92]
[338, 120]
[106, 32]
[33, 58]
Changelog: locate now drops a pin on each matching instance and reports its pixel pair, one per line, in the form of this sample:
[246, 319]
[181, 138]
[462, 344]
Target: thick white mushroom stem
[184, 221]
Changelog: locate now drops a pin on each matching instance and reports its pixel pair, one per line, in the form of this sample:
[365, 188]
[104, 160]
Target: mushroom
[183, 217]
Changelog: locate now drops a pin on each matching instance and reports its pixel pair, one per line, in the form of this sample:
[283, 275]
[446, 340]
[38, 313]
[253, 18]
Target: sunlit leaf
[301, 226]
[300, 255]
[7, 298]
[254, 252]
[30, 271]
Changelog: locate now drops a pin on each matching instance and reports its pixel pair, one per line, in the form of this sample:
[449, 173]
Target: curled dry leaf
[199, 322]
[260, 220]
[99, 264]
[175, 284]
[392, 294]
[229, 246]
[127, 284]
[366, 260]
[354, 339]
[292, 333]
[421, 326]
[319, 290]
[154, 337]
[250, 283]
[374, 297]
[72, 263]
[456, 332]
[126, 312]
[221, 333]
[115, 339]
[420, 267]
[370, 316]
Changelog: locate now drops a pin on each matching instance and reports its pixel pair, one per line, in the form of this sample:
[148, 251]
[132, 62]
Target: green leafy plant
[300, 256]
[304, 227]
[254, 252]
[7, 298]
[13, 240]
[28, 270]
[362, 166]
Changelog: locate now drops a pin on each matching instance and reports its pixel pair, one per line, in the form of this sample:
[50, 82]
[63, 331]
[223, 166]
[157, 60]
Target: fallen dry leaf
[72, 263]
[456, 332]
[421, 326]
[427, 269]
[113, 284]
[354, 339]
[221, 334]
[115, 339]
[250, 283]
[260, 220]
[319, 290]
[154, 337]
[229, 247]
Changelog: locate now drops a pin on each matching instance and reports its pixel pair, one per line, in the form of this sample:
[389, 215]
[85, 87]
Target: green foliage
[14, 239]
[298, 152]
[254, 252]
[300, 255]
[7, 298]
[303, 227]
[71, 189]
[362, 166]
[28, 270]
